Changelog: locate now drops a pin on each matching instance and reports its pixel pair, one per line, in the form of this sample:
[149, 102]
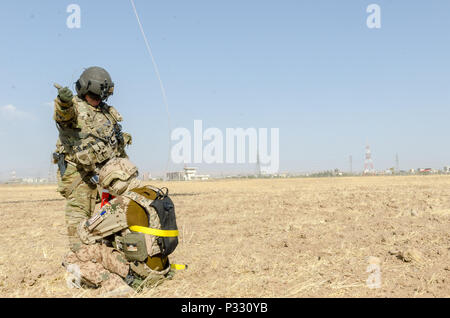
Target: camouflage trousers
[81, 198]
[100, 266]
[97, 266]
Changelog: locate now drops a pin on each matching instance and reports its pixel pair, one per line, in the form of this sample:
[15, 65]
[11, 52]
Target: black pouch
[60, 159]
[166, 213]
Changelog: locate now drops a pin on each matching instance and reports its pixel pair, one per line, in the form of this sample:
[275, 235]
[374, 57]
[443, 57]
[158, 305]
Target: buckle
[113, 141]
[94, 179]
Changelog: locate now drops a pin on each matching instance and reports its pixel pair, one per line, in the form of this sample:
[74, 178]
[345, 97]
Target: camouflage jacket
[89, 136]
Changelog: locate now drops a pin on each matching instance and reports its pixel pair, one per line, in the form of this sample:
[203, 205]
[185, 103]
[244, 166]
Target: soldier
[127, 242]
[90, 135]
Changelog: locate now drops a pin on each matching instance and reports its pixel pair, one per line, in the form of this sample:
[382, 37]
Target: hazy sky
[311, 68]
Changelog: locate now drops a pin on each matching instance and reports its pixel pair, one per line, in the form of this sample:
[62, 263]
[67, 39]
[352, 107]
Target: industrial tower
[351, 164]
[258, 166]
[51, 171]
[368, 163]
[397, 163]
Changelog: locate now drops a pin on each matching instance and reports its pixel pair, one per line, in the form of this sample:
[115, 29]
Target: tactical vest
[94, 138]
[141, 224]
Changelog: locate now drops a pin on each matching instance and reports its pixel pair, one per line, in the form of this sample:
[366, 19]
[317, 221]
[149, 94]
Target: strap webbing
[154, 232]
[178, 267]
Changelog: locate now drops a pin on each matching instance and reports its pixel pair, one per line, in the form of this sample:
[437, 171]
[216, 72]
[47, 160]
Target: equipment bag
[155, 200]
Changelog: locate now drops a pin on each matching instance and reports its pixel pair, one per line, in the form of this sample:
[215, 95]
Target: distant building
[188, 174]
[28, 181]
[33, 180]
[175, 176]
[425, 170]
[13, 178]
[146, 176]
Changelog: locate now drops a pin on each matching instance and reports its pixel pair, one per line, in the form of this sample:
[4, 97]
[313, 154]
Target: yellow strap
[155, 232]
[178, 267]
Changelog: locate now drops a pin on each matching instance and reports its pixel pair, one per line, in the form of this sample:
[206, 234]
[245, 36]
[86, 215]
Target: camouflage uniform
[102, 267]
[123, 243]
[131, 237]
[88, 137]
[97, 266]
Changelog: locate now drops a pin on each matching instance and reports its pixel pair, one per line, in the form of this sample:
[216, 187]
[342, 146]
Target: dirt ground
[261, 238]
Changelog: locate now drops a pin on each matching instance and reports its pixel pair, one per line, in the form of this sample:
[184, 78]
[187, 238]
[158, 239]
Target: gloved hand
[65, 94]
